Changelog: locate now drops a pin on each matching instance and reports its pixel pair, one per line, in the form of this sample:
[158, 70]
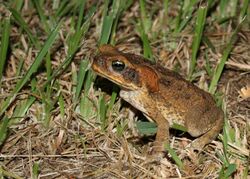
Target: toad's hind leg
[209, 136]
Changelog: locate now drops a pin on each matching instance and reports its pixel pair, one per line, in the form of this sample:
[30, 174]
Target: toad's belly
[153, 109]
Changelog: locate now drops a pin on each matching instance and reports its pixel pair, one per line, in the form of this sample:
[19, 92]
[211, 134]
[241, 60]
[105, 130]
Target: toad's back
[189, 105]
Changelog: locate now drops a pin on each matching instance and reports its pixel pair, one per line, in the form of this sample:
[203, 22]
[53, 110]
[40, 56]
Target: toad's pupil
[118, 65]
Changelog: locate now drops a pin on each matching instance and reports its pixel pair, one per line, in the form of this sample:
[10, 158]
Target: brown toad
[161, 95]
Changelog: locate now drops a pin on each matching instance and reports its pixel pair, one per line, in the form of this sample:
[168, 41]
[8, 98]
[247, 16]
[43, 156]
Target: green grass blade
[186, 13]
[106, 30]
[146, 128]
[35, 170]
[74, 79]
[143, 28]
[206, 41]
[106, 25]
[207, 66]
[80, 79]
[147, 51]
[115, 91]
[102, 108]
[19, 67]
[165, 6]
[200, 23]
[118, 7]
[33, 68]
[121, 127]
[3, 129]
[19, 113]
[233, 8]
[245, 172]
[17, 4]
[65, 8]
[24, 106]
[75, 39]
[61, 105]
[230, 170]
[48, 65]
[227, 171]
[225, 142]
[88, 82]
[47, 107]
[146, 22]
[4, 44]
[222, 5]
[177, 21]
[7, 174]
[86, 107]
[38, 5]
[244, 9]
[110, 20]
[220, 67]
[74, 45]
[41, 14]
[80, 16]
[174, 156]
[19, 20]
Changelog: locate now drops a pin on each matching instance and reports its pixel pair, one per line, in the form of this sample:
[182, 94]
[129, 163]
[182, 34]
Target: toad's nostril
[99, 61]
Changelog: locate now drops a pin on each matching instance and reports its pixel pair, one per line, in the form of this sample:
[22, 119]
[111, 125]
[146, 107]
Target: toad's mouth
[123, 85]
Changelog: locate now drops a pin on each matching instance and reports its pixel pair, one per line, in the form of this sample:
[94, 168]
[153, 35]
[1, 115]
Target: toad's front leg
[162, 135]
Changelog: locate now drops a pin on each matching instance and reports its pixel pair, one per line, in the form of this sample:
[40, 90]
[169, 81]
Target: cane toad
[162, 95]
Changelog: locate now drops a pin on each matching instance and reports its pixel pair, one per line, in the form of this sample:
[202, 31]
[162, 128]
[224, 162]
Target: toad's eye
[118, 65]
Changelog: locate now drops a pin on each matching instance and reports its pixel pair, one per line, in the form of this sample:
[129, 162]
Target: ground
[76, 126]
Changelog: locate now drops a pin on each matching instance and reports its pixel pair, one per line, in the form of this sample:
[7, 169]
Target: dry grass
[72, 146]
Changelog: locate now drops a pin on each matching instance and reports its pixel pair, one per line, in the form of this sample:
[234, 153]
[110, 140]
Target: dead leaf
[245, 92]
